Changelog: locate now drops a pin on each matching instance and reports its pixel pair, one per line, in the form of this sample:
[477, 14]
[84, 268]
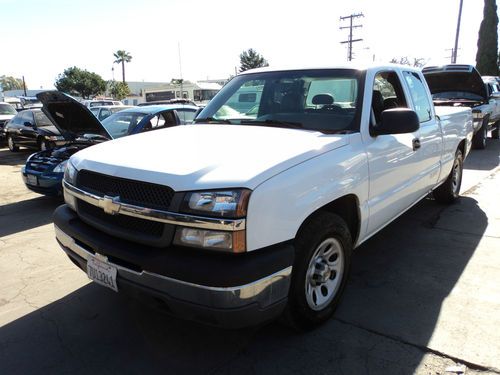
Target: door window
[419, 96]
[387, 94]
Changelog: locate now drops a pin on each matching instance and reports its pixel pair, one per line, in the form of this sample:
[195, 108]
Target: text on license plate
[102, 273]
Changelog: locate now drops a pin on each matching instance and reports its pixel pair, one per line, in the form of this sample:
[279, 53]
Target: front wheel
[321, 267]
[495, 133]
[11, 144]
[449, 191]
[479, 139]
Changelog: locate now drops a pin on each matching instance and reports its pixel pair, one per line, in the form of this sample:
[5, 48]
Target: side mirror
[396, 121]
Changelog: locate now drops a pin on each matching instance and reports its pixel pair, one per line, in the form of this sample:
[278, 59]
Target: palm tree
[122, 57]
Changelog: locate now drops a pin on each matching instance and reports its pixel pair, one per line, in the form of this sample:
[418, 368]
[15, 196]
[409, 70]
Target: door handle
[416, 144]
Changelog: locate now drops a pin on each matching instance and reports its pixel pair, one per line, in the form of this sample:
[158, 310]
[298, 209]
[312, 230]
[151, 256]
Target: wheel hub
[321, 272]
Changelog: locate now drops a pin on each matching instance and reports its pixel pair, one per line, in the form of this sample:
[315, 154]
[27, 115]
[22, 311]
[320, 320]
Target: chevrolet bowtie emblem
[110, 205]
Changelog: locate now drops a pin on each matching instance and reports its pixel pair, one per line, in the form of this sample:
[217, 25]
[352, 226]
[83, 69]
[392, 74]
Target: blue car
[44, 170]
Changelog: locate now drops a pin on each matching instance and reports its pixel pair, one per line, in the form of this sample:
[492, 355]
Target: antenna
[349, 40]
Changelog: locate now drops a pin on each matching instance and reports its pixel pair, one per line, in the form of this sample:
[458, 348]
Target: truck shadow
[27, 214]
[399, 281]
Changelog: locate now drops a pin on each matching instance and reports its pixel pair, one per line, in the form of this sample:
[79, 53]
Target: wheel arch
[347, 207]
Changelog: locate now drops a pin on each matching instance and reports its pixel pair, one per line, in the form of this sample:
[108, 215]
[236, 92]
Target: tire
[495, 133]
[449, 191]
[479, 139]
[321, 267]
[11, 144]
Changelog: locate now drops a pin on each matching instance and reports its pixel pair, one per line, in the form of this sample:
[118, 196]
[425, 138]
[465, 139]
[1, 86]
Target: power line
[349, 40]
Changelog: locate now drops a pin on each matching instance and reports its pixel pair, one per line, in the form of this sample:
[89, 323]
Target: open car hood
[455, 77]
[72, 118]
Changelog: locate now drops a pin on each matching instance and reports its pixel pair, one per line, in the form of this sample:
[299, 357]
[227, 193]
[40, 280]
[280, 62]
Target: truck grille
[143, 194]
[120, 223]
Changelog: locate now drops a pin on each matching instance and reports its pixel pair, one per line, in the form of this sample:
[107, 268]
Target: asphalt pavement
[423, 296]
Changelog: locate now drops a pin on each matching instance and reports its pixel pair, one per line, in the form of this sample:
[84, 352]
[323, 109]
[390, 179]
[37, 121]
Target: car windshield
[41, 119]
[121, 124]
[320, 99]
[7, 109]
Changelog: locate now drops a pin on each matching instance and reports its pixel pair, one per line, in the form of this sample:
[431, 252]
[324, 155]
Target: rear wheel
[320, 271]
[11, 144]
[479, 139]
[449, 191]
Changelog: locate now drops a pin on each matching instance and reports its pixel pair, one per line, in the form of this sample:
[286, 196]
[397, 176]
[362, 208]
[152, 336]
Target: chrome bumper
[263, 292]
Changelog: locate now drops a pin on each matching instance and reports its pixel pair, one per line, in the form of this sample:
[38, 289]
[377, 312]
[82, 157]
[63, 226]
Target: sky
[48, 36]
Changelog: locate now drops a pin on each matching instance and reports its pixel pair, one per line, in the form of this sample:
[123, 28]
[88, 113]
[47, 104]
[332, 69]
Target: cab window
[419, 96]
[387, 93]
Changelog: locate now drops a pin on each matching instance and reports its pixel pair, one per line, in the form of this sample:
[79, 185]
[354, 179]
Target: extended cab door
[430, 138]
[393, 159]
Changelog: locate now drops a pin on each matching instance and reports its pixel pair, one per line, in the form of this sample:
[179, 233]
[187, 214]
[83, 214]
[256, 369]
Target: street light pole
[454, 59]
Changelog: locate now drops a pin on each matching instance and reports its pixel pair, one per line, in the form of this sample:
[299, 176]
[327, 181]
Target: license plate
[32, 179]
[102, 273]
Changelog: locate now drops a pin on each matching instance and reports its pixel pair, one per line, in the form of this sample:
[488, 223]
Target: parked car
[31, 128]
[44, 170]
[100, 102]
[233, 221]
[461, 85]
[7, 112]
[105, 111]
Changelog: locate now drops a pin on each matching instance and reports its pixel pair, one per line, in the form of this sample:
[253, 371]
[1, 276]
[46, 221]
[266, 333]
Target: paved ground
[423, 295]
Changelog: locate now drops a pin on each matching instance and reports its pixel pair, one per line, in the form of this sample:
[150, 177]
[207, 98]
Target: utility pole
[454, 52]
[24, 86]
[349, 40]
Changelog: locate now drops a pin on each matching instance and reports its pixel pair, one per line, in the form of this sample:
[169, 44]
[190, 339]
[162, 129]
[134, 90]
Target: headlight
[54, 138]
[230, 204]
[223, 203]
[60, 167]
[70, 177]
[233, 242]
[69, 173]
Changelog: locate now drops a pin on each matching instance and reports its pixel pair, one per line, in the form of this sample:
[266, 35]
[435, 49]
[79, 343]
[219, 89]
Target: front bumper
[46, 183]
[229, 291]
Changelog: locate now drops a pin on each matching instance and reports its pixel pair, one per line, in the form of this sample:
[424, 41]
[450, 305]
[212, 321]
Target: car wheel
[449, 191]
[322, 259]
[495, 133]
[479, 139]
[11, 144]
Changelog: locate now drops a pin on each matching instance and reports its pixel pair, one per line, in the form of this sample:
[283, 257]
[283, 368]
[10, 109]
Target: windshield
[7, 109]
[324, 100]
[121, 124]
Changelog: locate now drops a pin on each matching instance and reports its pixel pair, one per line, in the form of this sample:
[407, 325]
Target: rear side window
[419, 96]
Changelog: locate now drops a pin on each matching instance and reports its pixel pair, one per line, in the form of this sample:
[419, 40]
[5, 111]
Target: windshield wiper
[275, 123]
[211, 120]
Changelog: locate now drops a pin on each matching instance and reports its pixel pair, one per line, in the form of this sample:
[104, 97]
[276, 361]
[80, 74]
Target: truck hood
[72, 118]
[194, 157]
[455, 77]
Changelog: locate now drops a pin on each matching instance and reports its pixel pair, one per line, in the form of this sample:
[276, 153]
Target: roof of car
[158, 108]
[351, 65]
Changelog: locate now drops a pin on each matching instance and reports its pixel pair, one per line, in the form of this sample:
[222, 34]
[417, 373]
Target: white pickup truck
[243, 217]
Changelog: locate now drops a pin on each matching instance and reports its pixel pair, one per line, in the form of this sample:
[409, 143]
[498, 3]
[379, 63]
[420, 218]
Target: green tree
[250, 59]
[118, 90]
[487, 43]
[10, 83]
[121, 57]
[80, 82]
